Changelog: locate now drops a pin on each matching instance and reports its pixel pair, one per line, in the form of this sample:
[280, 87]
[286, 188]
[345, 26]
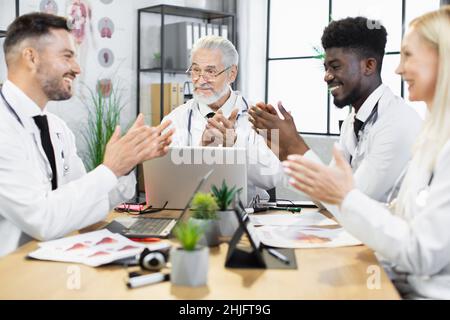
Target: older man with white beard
[218, 116]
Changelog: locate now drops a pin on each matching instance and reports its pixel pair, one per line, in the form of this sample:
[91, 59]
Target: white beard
[213, 98]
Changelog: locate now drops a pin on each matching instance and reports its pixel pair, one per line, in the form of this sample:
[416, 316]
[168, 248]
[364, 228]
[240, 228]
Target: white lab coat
[28, 206]
[385, 146]
[416, 244]
[264, 168]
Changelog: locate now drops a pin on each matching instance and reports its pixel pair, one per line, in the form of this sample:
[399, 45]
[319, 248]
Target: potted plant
[157, 60]
[203, 208]
[104, 106]
[189, 262]
[228, 222]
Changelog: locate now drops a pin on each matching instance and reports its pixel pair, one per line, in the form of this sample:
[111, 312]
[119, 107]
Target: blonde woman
[411, 233]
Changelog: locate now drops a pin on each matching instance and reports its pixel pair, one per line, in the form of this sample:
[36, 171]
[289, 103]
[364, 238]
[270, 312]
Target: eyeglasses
[139, 208]
[209, 74]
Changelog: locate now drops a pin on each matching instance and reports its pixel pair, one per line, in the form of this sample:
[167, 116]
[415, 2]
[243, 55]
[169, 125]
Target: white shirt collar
[20, 102]
[368, 105]
[227, 107]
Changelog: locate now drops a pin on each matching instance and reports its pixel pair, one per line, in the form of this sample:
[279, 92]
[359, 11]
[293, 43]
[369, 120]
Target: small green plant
[204, 206]
[157, 56]
[188, 233]
[320, 54]
[224, 196]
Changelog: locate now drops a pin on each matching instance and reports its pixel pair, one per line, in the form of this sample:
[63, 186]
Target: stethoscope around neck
[14, 113]
[422, 193]
[371, 119]
[195, 104]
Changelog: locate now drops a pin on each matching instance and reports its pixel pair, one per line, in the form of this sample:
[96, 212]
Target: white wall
[7, 13]
[252, 26]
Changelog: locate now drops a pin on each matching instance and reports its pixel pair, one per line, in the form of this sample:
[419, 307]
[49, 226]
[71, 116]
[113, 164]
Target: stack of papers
[93, 248]
[303, 230]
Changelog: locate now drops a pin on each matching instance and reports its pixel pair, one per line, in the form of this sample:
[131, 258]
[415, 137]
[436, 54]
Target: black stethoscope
[372, 118]
[13, 112]
[422, 195]
[198, 107]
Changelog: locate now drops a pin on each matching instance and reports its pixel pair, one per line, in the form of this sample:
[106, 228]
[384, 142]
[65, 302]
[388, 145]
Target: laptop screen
[200, 184]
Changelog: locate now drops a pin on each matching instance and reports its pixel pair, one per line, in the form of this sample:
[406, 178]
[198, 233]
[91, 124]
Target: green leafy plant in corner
[204, 206]
[103, 117]
[224, 196]
[157, 59]
[157, 56]
[320, 54]
[188, 233]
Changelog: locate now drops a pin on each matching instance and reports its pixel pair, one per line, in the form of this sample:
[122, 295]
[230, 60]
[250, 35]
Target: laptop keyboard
[149, 226]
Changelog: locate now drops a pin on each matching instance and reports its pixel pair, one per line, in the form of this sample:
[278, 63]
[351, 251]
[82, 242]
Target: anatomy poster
[48, 6]
[104, 86]
[106, 57]
[106, 27]
[79, 13]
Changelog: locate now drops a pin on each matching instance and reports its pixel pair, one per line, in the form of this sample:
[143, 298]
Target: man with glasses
[218, 116]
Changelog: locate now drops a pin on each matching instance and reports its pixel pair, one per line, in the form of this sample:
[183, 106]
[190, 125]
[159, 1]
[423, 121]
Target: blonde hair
[434, 27]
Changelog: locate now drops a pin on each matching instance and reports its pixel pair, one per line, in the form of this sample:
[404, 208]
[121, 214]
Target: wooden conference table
[337, 273]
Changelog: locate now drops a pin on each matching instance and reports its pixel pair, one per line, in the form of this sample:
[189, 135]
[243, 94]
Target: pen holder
[189, 268]
[211, 235]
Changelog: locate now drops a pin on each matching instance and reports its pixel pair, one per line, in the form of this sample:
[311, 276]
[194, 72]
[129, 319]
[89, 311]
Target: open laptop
[143, 227]
[172, 177]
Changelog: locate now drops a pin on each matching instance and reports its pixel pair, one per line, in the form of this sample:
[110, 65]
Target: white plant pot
[189, 268]
[211, 233]
[228, 223]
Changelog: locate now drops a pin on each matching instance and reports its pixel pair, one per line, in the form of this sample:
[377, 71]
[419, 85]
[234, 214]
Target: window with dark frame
[294, 67]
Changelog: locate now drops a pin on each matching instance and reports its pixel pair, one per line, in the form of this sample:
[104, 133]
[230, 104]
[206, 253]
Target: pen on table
[279, 256]
[147, 279]
[255, 210]
[292, 209]
[145, 239]
[262, 209]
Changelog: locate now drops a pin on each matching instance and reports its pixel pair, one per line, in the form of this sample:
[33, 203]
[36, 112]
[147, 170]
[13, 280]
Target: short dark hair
[366, 37]
[32, 25]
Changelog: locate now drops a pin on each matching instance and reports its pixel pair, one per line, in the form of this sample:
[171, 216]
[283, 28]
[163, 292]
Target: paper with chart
[93, 248]
[304, 230]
